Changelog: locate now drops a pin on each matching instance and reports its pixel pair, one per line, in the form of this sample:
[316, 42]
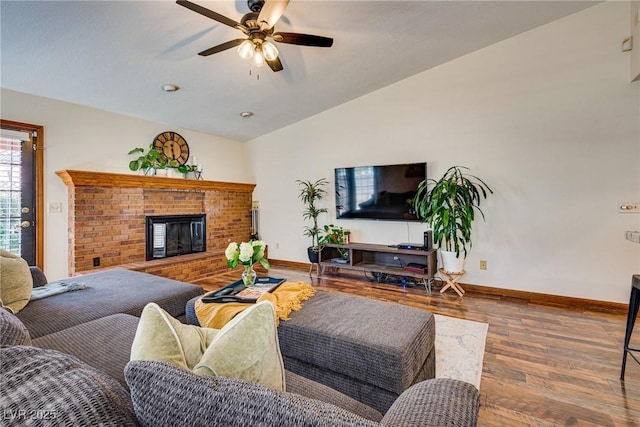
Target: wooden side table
[452, 281]
[317, 265]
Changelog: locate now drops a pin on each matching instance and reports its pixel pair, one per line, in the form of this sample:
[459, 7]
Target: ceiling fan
[258, 26]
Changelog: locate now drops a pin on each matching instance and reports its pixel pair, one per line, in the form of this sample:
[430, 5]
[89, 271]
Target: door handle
[25, 224]
[25, 210]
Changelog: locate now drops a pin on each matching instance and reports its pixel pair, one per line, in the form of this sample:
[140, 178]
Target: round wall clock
[172, 145]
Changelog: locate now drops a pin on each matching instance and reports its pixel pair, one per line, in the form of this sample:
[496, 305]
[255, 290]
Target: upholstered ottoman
[367, 349]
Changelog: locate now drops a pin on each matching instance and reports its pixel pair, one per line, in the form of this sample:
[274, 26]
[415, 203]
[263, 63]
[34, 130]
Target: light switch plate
[54, 207]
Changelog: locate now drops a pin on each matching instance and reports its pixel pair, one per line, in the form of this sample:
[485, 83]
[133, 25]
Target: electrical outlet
[629, 207]
[483, 264]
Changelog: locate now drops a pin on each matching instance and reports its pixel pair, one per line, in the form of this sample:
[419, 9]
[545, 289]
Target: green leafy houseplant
[152, 159]
[187, 168]
[337, 235]
[449, 205]
[310, 194]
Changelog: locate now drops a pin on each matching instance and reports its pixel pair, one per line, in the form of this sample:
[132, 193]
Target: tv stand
[383, 259]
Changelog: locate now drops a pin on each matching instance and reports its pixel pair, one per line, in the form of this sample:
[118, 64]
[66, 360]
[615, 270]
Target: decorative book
[415, 267]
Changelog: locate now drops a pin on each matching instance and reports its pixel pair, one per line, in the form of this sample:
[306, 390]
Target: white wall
[84, 138]
[548, 119]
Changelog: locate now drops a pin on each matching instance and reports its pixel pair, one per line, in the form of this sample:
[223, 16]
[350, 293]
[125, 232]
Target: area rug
[460, 348]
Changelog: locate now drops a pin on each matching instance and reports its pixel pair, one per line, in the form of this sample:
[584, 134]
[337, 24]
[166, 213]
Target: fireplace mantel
[107, 217]
[75, 178]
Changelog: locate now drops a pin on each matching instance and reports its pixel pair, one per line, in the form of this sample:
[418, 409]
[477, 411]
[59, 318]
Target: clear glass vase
[249, 276]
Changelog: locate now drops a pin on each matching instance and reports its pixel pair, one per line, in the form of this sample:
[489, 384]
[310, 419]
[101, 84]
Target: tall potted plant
[449, 205]
[310, 194]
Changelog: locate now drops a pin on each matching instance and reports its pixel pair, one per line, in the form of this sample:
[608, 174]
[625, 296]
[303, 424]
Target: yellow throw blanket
[286, 298]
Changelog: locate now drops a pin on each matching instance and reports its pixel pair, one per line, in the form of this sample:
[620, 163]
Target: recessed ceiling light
[246, 114]
[170, 87]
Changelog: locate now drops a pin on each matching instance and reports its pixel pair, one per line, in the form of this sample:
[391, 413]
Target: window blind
[10, 187]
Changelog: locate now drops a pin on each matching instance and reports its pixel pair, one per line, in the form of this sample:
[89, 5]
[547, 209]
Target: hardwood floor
[543, 365]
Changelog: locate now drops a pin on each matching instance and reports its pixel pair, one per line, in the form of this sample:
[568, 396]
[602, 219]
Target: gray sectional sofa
[65, 361]
[97, 324]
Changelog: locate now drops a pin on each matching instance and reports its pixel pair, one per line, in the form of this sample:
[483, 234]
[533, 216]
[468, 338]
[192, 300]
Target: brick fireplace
[107, 221]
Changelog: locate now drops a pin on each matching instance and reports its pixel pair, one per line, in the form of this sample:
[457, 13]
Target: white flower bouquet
[247, 254]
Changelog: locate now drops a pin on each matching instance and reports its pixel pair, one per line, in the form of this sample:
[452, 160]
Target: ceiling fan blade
[275, 65]
[271, 11]
[303, 39]
[209, 13]
[221, 47]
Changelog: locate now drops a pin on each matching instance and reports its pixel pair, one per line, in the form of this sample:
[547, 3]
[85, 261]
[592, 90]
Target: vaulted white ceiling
[115, 55]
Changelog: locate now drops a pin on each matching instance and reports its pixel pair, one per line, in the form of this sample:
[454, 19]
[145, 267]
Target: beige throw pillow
[16, 282]
[246, 348]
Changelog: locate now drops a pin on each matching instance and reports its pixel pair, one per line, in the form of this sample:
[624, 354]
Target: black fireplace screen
[172, 235]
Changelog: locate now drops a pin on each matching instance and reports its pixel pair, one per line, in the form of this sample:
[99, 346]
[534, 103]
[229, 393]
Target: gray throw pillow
[167, 395]
[12, 330]
[46, 387]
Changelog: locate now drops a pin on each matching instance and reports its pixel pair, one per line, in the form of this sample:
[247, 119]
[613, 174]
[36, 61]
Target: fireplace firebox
[172, 235]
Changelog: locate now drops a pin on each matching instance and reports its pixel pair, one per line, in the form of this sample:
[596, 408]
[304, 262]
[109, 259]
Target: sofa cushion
[12, 330]
[46, 387]
[246, 347]
[108, 292]
[167, 395]
[103, 343]
[16, 282]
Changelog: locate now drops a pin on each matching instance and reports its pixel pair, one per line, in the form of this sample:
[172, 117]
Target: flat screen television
[378, 192]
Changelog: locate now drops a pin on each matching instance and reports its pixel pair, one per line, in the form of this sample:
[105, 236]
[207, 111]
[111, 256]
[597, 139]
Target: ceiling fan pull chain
[257, 74]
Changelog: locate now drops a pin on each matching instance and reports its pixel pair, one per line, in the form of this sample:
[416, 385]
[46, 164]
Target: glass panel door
[17, 194]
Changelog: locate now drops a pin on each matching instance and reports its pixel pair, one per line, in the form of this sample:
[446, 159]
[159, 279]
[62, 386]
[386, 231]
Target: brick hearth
[107, 220]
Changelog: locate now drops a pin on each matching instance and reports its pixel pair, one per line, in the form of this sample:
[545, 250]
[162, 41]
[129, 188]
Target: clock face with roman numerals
[173, 146]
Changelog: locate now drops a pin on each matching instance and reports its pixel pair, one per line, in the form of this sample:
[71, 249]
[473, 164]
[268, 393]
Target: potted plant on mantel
[154, 160]
[150, 161]
[310, 194]
[449, 207]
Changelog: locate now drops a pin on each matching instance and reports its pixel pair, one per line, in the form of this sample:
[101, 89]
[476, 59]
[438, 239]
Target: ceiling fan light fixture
[258, 58]
[246, 49]
[269, 51]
